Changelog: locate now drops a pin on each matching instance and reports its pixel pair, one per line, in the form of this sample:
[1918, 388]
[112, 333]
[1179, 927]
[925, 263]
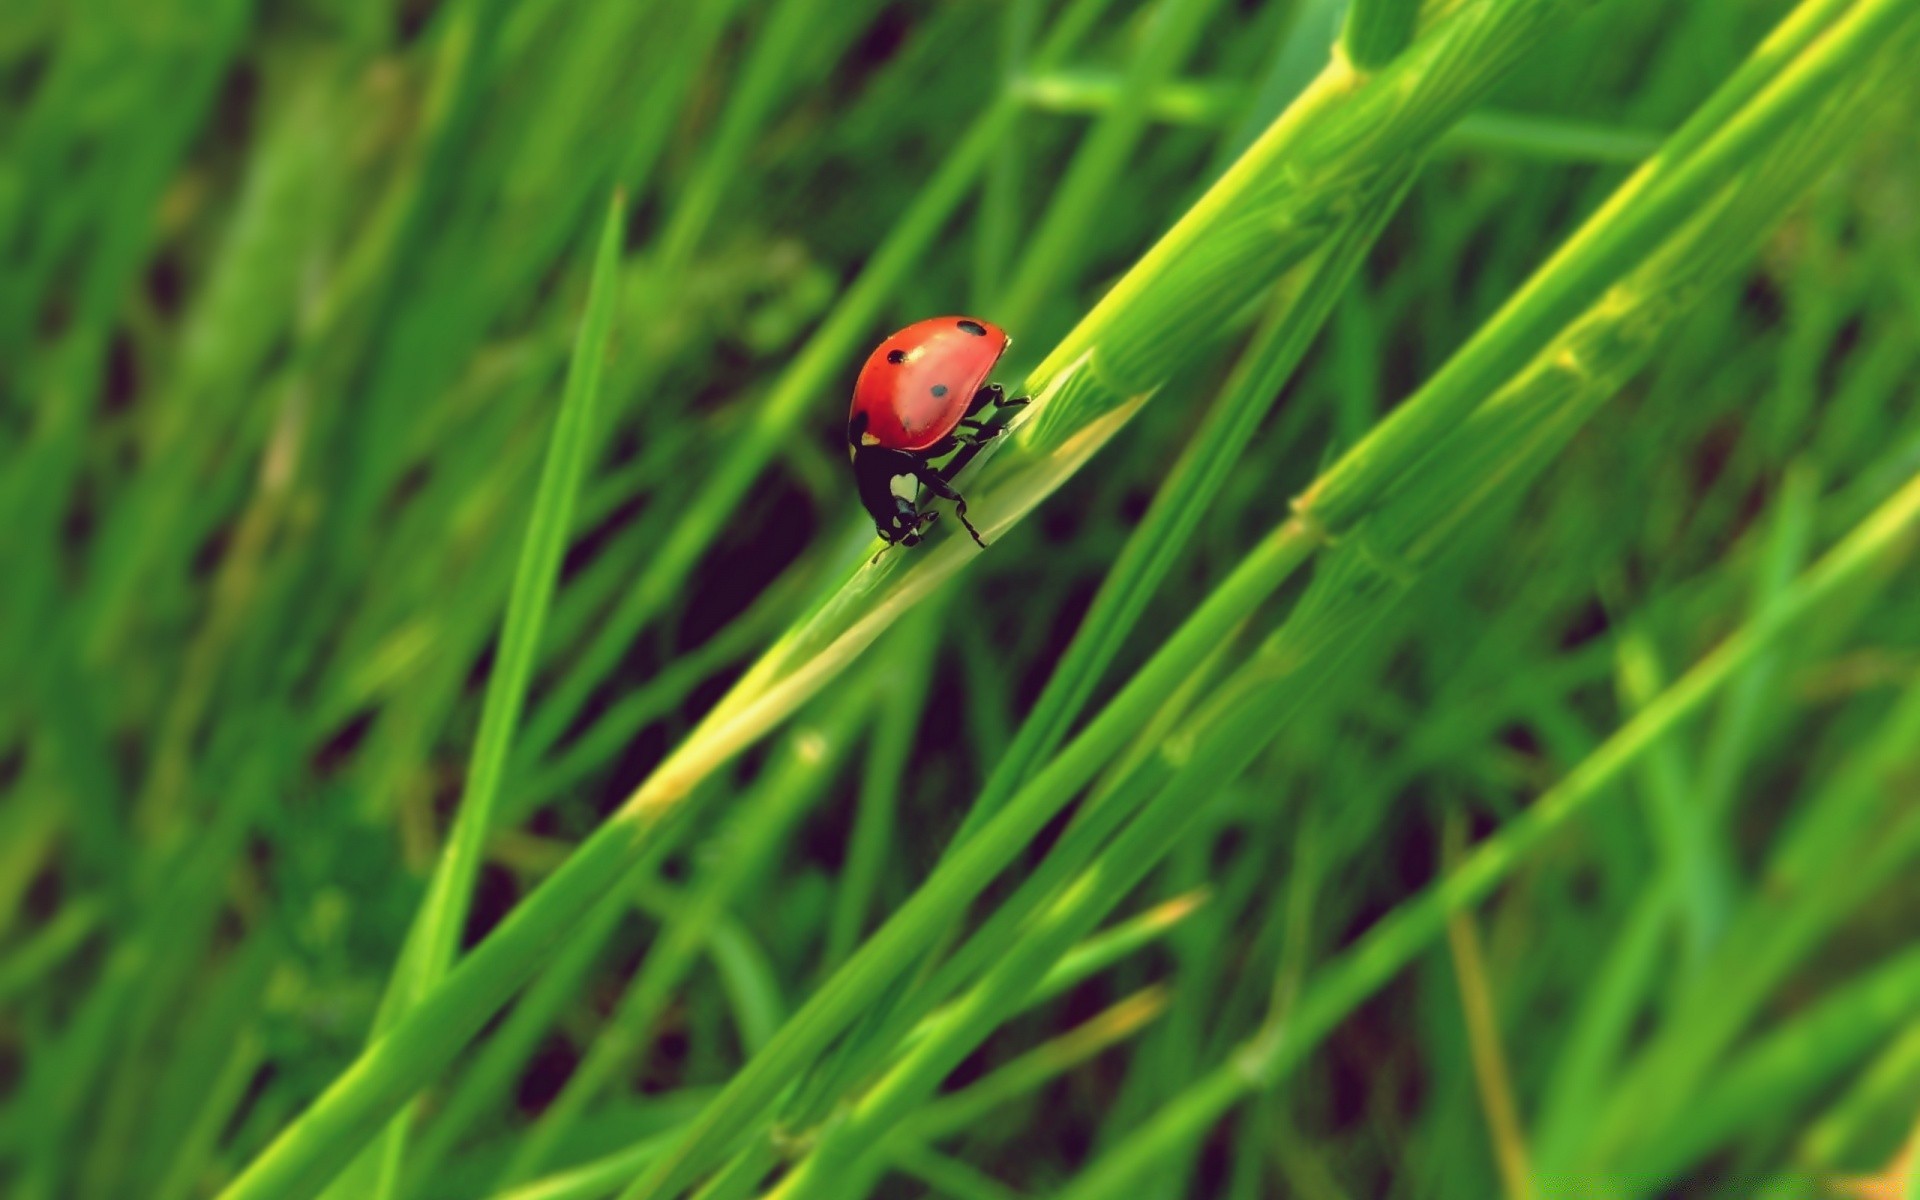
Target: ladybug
[919, 398]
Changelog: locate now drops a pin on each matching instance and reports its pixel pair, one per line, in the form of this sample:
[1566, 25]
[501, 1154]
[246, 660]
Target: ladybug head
[890, 489]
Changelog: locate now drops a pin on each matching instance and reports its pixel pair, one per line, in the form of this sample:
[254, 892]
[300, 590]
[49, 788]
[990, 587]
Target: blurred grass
[1112, 864]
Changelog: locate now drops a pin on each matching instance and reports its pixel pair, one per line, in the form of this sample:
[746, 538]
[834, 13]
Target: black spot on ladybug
[896, 356]
[974, 327]
[856, 427]
[939, 389]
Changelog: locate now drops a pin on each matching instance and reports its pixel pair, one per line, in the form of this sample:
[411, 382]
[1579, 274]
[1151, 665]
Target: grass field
[1439, 715]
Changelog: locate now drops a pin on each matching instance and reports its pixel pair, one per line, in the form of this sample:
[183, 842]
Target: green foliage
[1439, 712]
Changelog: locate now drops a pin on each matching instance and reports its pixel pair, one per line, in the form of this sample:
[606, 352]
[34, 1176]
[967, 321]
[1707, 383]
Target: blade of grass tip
[433, 940]
[1404, 933]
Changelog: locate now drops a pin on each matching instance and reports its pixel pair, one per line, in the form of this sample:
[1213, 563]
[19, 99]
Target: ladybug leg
[934, 482]
[993, 396]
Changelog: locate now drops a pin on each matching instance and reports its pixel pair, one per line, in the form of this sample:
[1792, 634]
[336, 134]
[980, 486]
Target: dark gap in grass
[81, 517]
[210, 553]
[413, 480]
[645, 216]
[260, 855]
[1068, 611]
[620, 446]
[821, 839]
[259, 1086]
[166, 282]
[675, 868]
[1520, 739]
[748, 559]
[1071, 1144]
[1134, 503]
[495, 892]
[13, 1061]
[1369, 1065]
[547, 1071]
[1213, 1160]
[636, 760]
[475, 683]
[871, 49]
[1761, 301]
[335, 752]
[230, 123]
[591, 543]
[1049, 835]
[1584, 886]
[56, 308]
[1710, 455]
[1588, 622]
[663, 1068]
[13, 763]
[1400, 860]
[43, 896]
[229, 930]
[1845, 343]
[1227, 844]
[619, 962]
[412, 20]
[20, 81]
[975, 1066]
[1714, 1173]
[709, 691]
[120, 381]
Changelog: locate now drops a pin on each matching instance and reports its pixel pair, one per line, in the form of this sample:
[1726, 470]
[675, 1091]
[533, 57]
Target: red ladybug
[916, 401]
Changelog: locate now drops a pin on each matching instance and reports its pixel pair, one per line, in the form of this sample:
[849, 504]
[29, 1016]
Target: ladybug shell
[917, 384]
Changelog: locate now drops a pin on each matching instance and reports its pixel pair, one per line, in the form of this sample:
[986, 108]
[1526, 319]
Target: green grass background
[1440, 715]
